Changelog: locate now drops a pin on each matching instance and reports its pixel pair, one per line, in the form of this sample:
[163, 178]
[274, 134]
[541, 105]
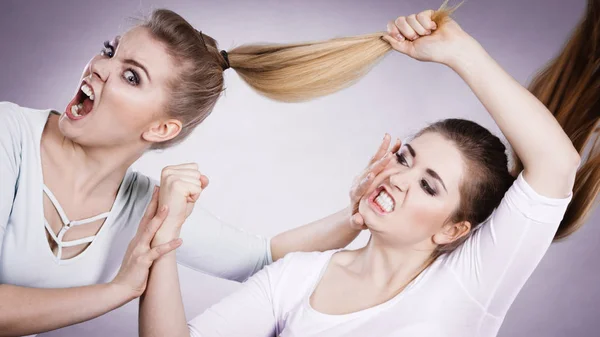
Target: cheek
[128, 107]
[424, 214]
[419, 217]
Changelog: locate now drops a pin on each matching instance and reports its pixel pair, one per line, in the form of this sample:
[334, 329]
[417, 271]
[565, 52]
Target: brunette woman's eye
[427, 188]
[401, 159]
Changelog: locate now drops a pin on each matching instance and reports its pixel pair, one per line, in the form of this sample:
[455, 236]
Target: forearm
[331, 232]
[161, 309]
[533, 132]
[25, 311]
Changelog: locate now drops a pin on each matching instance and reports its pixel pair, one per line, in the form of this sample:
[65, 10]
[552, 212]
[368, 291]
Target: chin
[66, 129]
[372, 221]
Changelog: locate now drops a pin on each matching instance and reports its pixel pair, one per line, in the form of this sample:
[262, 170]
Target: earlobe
[162, 131]
[452, 232]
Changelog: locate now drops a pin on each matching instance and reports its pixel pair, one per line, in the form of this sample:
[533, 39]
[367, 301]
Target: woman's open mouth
[82, 104]
[382, 201]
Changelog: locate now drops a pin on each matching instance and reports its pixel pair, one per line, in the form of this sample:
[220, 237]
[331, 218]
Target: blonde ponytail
[302, 71]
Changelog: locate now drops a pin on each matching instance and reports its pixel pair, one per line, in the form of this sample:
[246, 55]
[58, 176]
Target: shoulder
[11, 119]
[15, 116]
[299, 266]
[308, 258]
[522, 198]
[19, 127]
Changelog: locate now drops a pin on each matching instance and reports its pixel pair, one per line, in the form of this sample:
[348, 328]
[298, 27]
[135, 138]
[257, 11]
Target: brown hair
[486, 165]
[570, 87]
[284, 72]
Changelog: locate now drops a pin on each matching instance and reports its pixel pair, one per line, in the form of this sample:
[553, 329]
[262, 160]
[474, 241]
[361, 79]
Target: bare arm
[161, 311]
[25, 311]
[332, 232]
[549, 157]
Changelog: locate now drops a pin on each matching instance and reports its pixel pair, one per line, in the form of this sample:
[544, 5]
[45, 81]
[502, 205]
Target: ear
[452, 232]
[162, 131]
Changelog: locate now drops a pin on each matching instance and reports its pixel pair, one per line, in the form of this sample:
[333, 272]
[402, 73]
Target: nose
[100, 68]
[400, 180]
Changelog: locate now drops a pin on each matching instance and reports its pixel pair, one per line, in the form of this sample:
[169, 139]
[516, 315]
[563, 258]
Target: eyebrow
[431, 172]
[139, 65]
[436, 176]
[411, 150]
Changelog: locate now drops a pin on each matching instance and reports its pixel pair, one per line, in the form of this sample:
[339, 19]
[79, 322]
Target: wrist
[165, 234]
[466, 52]
[119, 292]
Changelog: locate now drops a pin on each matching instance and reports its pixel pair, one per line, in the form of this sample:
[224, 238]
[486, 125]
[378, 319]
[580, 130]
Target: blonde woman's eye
[131, 77]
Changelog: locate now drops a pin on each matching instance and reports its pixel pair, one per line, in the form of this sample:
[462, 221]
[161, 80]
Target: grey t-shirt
[210, 246]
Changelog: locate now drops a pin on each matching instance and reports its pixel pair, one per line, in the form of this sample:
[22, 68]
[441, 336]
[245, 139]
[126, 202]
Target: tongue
[88, 105]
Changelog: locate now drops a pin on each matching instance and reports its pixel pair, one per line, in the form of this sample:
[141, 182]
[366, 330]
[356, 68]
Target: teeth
[88, 91]
[385, 201]
[75, 109]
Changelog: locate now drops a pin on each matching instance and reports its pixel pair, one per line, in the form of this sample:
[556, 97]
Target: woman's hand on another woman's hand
[419, 37]
[180, 188]
[133, 274]
[363, 183]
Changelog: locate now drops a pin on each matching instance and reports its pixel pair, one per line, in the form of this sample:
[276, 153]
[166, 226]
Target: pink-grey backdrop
[294, 162]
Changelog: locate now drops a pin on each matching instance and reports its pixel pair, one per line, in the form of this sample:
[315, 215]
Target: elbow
[558, 163]
[571, 163]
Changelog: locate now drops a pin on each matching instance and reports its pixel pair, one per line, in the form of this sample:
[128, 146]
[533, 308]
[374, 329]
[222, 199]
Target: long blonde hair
[302, 71]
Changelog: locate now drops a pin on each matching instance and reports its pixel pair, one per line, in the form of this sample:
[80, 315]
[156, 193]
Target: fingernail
[399, 37]
[384, 136]
[434, 26]
[428, 32]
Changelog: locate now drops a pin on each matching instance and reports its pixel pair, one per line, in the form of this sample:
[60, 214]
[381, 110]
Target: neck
[85, 170]
[390, 265]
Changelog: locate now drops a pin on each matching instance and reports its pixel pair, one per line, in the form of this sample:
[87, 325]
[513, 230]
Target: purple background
[296, 161]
